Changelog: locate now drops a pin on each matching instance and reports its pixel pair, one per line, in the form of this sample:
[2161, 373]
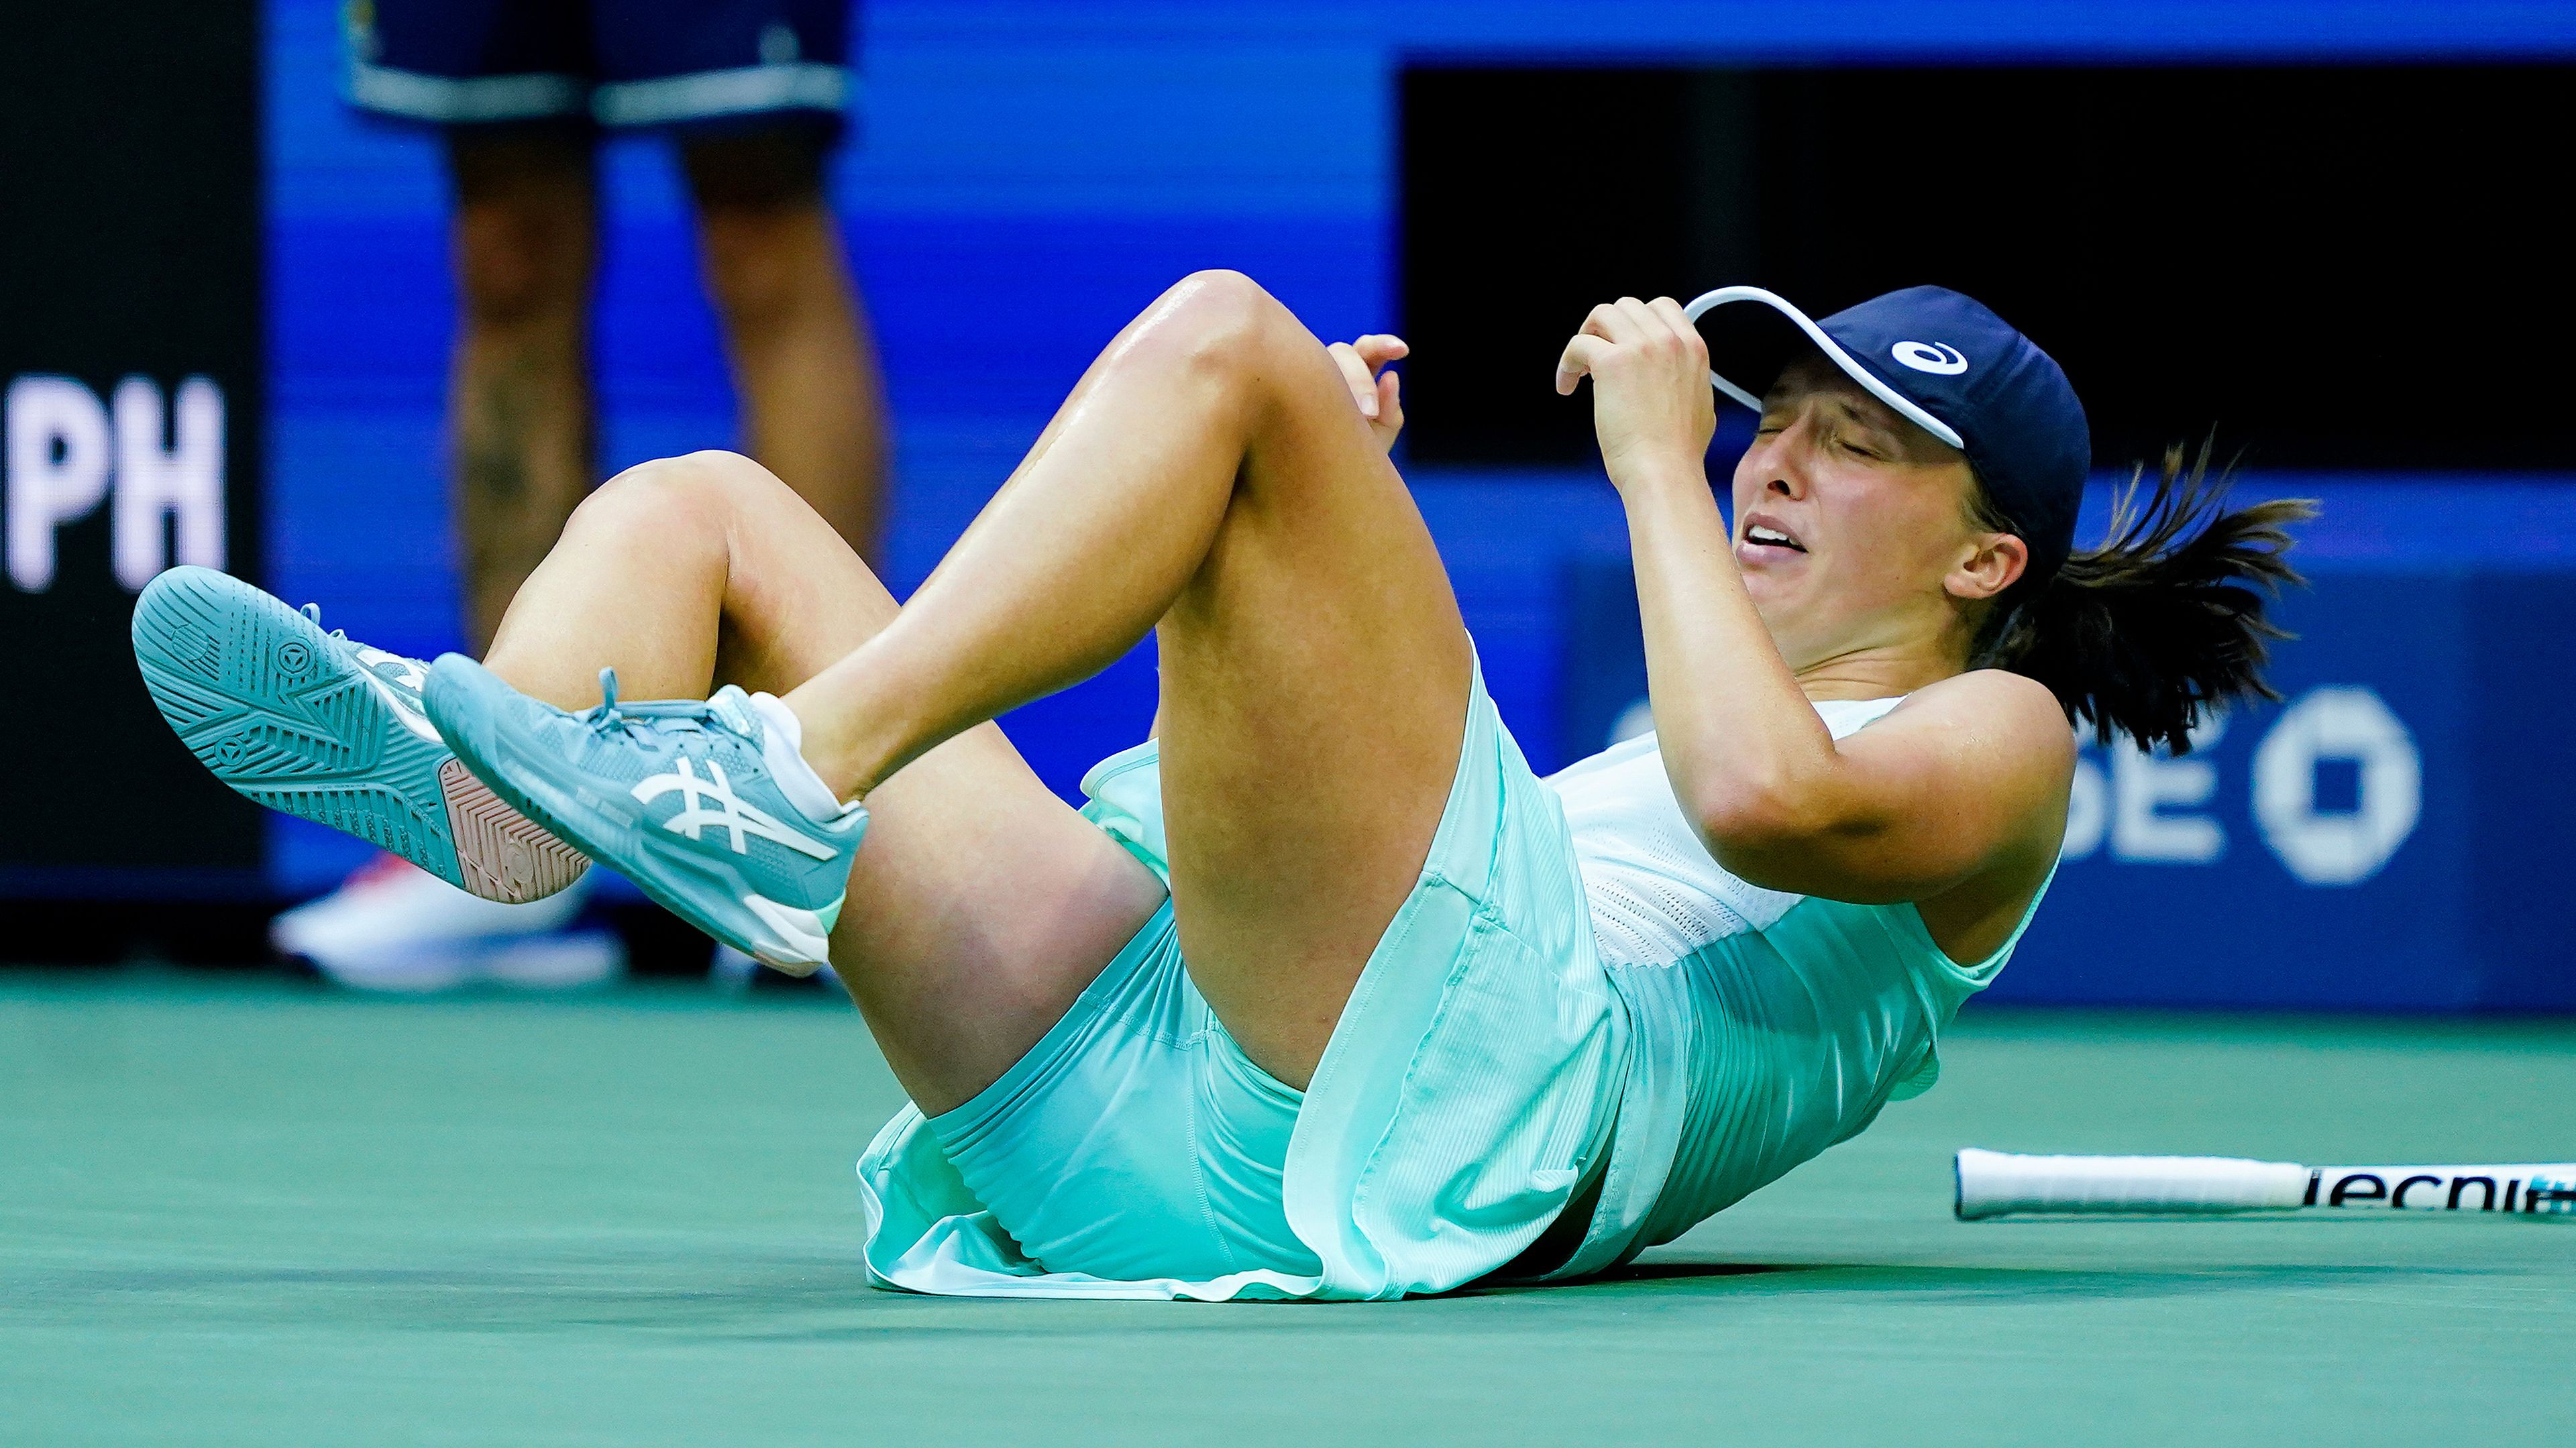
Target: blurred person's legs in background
[519, 422]
[524, 238]
[804, 364]
[752, 95]
[796, 333]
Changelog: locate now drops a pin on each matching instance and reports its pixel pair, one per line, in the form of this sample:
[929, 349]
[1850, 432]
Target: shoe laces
[313, 612]
[608, 720]
[635, 720]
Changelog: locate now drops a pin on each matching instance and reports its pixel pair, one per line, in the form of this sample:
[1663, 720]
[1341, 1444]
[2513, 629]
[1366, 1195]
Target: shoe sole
[281, 713]
[798, 939]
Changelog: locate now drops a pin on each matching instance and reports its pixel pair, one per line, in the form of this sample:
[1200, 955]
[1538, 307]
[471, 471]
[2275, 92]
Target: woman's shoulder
[1997, 699]
[1999, 728]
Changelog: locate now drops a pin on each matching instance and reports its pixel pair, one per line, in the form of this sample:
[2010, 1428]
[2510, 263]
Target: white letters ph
[63, 448]
[58, 465]
[184, 481]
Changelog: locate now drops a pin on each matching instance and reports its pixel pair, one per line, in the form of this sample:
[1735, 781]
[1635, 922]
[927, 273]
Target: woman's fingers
[1360, 359]
[1390, 407]
[1650, 394]
[1604, 329]
[1356, 373]
[1675, 318]
[1644, 324]
[1379, 348]
[1626, 322]
[1582, 354]
[1611, 322]
[1377, 394]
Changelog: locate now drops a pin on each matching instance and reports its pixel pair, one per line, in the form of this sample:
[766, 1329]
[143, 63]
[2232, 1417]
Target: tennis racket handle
[1995, 1183]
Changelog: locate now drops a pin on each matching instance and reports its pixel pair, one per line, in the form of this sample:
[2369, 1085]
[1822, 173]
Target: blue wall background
[1030, 174]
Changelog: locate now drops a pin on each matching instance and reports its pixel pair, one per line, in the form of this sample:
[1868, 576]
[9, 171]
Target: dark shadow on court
[1933, 1284]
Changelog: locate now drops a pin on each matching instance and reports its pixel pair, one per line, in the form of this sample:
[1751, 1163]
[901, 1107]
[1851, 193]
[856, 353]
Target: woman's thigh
[1315, 686]
[980, 905]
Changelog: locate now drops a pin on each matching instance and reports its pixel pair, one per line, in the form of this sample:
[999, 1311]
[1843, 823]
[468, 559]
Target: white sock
[781, 739]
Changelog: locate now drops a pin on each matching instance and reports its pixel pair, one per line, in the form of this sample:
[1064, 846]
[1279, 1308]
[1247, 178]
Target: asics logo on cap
[1939, 358]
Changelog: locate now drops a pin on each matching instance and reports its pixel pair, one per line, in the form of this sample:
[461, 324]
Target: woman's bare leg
[981, 905]
[1212, 476]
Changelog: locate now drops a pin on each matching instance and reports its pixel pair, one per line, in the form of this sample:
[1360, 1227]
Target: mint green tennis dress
[1574, 1004]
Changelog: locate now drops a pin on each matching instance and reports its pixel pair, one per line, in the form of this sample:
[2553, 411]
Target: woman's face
[1851, 524]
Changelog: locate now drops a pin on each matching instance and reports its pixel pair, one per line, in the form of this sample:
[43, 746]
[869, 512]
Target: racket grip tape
[1995, 1183]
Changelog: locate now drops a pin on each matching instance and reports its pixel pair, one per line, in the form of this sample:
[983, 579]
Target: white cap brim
[1905, 407]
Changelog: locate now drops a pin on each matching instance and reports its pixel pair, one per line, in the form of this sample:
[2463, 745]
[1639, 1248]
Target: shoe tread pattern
[283, 713]
[272, 706]
[275, 707]
[504, 854]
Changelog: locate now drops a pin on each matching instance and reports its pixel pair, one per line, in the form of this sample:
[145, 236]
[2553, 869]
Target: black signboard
[130, 356]
[2291, 255]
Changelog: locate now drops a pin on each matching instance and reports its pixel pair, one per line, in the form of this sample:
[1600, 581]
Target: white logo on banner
[64, 449]
[2154, 799]
[2148, 809]
[1939, 358]
[2337, 847]
[2152, 809]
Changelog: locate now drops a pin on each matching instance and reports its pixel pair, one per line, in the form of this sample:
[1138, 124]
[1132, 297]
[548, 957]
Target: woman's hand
[1651, 401]
[1378, 392]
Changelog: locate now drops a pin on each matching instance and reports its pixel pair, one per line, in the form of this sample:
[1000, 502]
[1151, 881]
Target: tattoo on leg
[523, 456]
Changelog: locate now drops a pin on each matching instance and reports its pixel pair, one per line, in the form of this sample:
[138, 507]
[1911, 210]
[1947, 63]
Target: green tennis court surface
[241, 1211]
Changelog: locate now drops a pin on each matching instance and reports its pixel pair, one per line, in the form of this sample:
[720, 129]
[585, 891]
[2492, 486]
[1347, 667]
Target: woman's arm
[1960, 778]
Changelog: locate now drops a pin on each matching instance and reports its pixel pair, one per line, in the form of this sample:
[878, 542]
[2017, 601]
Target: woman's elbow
[1752, 823]
[1777, 836]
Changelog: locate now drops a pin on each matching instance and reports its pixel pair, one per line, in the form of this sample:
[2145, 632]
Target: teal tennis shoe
[680, 796]
[330, 730]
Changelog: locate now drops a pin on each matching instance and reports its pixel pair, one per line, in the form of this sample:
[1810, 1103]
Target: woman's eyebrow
[1868, 417]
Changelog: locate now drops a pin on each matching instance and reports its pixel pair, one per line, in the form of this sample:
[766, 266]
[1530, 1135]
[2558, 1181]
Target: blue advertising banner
[2391, 836]
[1007, 214]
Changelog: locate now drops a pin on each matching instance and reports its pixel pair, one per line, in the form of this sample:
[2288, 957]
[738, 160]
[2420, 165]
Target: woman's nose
[1782, 460]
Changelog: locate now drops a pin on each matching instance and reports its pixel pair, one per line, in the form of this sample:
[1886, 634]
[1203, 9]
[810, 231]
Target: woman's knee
[1224, 323]
[696, 496]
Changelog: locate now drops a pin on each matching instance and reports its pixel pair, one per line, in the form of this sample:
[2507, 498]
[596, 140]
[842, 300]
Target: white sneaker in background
[732, 970]
[395, 927]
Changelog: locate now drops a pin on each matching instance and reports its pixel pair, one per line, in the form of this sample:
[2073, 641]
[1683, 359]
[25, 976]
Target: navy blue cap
[1949, 365]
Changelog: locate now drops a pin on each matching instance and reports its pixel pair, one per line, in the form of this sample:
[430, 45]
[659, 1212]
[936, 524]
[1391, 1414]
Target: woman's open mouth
[1765, 539]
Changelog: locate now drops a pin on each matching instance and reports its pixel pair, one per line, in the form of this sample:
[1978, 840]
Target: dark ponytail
[2163, 622]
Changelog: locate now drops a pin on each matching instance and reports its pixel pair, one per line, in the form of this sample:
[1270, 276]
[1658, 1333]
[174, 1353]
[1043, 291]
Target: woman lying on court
[1323, 993]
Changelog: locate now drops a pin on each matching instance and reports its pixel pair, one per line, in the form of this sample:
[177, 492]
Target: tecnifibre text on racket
[1995, 1184]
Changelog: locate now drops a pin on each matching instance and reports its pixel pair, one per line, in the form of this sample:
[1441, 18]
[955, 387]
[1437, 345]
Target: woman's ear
[1995, 566]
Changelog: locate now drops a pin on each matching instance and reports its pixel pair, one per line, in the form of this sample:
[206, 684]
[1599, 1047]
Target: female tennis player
[1323, 993]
